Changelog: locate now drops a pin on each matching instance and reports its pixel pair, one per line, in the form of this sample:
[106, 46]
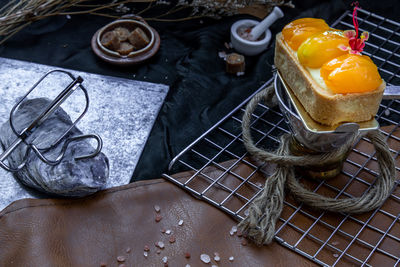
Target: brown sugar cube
[138, 38]
[235, 63]
[122, 33]
[125, 48]
[158, 218]
[110, 40]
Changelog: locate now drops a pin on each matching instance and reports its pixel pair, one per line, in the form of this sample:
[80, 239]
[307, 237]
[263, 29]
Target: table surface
[200, 93]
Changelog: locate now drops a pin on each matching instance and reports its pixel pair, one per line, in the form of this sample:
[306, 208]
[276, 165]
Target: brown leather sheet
[98, 229]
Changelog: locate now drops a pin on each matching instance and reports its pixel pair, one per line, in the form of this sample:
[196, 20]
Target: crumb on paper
[227, 45]
[157, 208]
[205, 258]
[121, 258]
[222, 54]
[160, 244]
[239, 233]
[158, 218]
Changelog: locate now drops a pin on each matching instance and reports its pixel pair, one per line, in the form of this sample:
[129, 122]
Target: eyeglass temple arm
[65, 147]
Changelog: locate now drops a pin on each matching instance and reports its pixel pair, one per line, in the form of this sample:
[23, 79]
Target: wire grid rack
[218, 162]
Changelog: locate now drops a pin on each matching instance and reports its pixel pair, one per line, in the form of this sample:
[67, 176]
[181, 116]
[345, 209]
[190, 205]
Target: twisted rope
[266, 208]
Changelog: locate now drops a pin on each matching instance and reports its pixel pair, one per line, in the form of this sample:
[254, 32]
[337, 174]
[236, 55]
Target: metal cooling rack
[214, 157]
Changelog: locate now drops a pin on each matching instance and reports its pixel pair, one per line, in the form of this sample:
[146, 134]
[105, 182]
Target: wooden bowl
[134, 57]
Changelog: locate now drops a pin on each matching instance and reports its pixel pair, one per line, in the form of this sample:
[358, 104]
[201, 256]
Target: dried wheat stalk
[17, 14]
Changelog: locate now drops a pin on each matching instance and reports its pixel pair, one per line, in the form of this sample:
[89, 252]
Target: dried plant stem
[89, 11]
[105, 15]
[174, 20]
[145, 9]
[15, 32]
[172, 11]
[17, 14]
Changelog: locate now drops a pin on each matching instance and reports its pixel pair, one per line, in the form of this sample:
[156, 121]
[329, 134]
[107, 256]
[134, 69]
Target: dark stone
[72, 178]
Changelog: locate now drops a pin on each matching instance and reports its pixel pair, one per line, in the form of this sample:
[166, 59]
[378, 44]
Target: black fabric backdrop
[200, 91]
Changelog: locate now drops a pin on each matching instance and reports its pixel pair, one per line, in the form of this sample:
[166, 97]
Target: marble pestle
[261, 27]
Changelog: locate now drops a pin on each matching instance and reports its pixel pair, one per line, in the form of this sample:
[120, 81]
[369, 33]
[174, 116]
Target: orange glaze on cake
[351, 74]
[297, 31]
[321, 48]
[317, 46]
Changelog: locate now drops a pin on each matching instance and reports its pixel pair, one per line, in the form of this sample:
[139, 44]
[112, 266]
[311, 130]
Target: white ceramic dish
[246, 47]
[254, 45]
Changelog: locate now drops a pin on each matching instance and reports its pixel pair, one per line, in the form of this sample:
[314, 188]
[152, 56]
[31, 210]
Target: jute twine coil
[265, 210]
